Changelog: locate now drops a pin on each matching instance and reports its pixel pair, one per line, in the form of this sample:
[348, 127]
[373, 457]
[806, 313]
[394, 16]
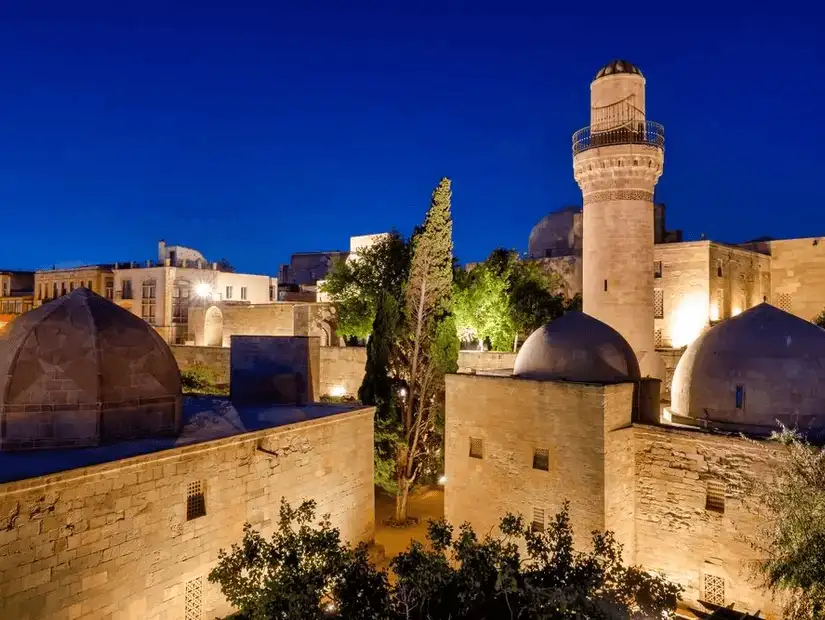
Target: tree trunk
[515, 343]
[401, 501]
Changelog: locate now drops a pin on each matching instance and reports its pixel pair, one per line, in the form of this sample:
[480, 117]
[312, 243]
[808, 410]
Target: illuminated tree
[305, 571]
[355, 286]
[820, 319]
[429, 344]
[481, 306]
[792, 539]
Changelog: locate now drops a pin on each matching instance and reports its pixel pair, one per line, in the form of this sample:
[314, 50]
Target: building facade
[16, 294]
[129, 526]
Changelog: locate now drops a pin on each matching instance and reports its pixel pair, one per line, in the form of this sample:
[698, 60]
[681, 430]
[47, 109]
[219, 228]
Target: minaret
[616, 162]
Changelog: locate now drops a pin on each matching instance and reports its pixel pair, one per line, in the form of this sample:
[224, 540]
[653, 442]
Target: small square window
[715, 498]
[541, 459]
[476, 448]
[714, 587]
[195, 504]
[657, 269]
[538, 520]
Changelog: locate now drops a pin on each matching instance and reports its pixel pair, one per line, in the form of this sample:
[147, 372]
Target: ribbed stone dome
[81, 370]
[751, 370]
[577, 347]
[618, 66]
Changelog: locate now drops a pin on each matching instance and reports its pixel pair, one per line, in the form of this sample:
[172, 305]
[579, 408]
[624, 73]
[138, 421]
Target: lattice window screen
[195, 504]
[715, 499]
[658, 303]
[657, 338]
[541, 459]
[783, 302]
[193, 609]
[476, 448]
[715, 590]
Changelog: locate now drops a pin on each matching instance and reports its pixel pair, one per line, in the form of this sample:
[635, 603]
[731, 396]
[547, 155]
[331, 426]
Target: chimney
[214, 266]
[161, 250]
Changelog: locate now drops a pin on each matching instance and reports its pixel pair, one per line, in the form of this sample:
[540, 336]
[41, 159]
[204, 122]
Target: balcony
[646, 133]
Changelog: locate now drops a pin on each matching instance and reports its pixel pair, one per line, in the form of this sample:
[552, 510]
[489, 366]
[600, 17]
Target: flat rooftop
[204, 419]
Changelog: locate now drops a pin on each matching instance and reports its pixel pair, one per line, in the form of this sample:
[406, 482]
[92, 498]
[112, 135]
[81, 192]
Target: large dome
[81, 370]
[752, 370]
[577, 347]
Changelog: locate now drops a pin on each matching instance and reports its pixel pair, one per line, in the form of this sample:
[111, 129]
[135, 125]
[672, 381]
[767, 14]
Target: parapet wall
[342, 368]
[113, 540]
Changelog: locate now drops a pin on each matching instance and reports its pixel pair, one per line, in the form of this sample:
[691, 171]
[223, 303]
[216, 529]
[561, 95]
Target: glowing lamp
[337, 391]
[442, 480]
[203, 290]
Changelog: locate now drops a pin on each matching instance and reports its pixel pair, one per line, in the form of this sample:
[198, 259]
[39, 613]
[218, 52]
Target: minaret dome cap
[618, 66]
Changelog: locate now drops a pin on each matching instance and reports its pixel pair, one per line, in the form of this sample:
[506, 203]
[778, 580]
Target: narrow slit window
[605, 286]
[538, 520]
[657, 269]
[740, 396]
[195, 501]
[715, 498]
[476, 448]
[541, 459]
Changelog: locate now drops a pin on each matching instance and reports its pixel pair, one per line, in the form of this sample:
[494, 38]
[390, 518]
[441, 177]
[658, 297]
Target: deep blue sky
[254, 131]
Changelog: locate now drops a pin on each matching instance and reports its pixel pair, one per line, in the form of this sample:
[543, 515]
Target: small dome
[618, 66]
[557, 234]
[577, 347]
[753, 369]
[81, 370]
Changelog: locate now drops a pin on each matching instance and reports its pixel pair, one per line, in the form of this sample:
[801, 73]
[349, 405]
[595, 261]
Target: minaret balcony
[645, 133]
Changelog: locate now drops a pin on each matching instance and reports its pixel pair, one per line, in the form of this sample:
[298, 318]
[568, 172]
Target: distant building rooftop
[204, 419]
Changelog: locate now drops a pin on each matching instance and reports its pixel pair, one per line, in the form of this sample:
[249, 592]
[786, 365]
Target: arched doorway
[213, 327]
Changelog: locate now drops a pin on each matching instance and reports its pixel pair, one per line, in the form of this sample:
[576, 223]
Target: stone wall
[684, 290]
[113, 540]
[798, 276]
[671, 359]
[342, 369]
[675, 533]
[510, 419]
[275, 369]
[478, 361]
[745, 280]
[214, 358]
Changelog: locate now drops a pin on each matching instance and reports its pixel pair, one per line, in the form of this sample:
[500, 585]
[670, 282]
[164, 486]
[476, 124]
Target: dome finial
[618, 66]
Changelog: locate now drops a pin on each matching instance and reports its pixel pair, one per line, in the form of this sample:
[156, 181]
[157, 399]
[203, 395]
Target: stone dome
[618, 66]
[577, 347]
[557, 234]
[753, 369]
[81, 370]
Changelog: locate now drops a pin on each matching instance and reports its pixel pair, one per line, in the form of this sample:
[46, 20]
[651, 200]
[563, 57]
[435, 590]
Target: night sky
[251, 132]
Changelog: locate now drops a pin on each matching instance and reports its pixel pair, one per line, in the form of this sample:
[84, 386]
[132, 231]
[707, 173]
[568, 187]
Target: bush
[200, 379]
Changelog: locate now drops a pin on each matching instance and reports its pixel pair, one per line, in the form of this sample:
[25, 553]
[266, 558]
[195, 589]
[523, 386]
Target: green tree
[306, 572]
[481, 306]
[225, 266]
[429, 350]
[792, 539]
[355, 286]
[820, 319]
[302, 572]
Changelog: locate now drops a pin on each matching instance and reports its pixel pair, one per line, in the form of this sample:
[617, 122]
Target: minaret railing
[645, 133]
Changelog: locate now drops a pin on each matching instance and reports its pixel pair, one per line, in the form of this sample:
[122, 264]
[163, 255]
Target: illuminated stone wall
[745, 280]
[113, 540]
[675, 534]
[342, 370]
[798, 276]
[512, 418]
[685, 293]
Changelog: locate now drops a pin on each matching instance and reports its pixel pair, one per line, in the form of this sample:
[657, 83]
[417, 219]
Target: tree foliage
[306, 572]
[792, 539]
[356, 285]
[820, 319]
[225, 266]
[505, 299]
[429, 345]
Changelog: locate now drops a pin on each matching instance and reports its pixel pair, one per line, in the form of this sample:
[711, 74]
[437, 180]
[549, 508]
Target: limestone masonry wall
[215, 358]
[469, 361]
[798, 276]
[675, 533]
[683, 286]
[512, 418]
[113, 540]
[342, 367]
